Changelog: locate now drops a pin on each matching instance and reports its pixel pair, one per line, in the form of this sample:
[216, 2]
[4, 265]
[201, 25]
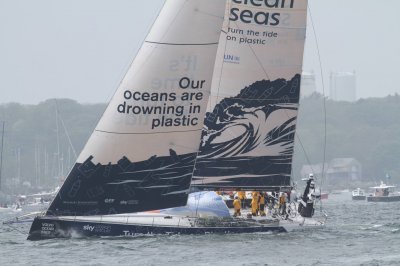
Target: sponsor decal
[127, 233]
[234, 59]
[97, 228]
[88, 228]
[129, 202]
[109, 201]
[47, 228]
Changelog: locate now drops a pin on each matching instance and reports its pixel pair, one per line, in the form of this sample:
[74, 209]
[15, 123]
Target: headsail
[249, 129]
[141, 155]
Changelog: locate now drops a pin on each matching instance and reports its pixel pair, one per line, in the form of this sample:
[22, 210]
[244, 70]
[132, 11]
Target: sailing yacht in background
[1, 153]
[3, 205]
[134, 174]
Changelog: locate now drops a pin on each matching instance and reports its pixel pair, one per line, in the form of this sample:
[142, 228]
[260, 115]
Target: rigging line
[68, 137]
[324, 100]
[255, 55]
[304, 150]
[194, 168]
[58, 141]
[15, 229]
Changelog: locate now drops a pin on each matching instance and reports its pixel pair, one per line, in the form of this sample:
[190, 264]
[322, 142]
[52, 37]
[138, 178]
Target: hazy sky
[81, 49]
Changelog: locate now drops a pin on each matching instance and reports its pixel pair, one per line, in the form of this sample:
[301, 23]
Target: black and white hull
[47, 227]
[383, 198]
[66, 227]
[358, 197]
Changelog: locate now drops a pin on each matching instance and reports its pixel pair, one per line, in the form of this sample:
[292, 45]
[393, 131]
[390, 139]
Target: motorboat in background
[358, 194]
[384, 193]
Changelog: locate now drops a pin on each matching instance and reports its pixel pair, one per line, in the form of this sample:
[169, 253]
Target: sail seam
[184, 44]
[145, 133]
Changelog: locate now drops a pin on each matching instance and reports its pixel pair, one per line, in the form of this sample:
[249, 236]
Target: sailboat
[3, 207]
[209, 103]
[1, 152]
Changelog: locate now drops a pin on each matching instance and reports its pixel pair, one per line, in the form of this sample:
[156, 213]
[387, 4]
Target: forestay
[142, 153]
[249, 129]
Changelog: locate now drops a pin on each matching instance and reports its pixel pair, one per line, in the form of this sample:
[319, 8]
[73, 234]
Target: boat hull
[383, 199]
[359, 197]
[53, 227]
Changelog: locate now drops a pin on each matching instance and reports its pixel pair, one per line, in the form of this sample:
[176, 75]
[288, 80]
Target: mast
[59, 173]
[1, 152]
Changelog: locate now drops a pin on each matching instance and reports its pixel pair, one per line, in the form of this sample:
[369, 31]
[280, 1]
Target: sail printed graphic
[250, 114]
[249, 139]
[141, 155]
[249, 129]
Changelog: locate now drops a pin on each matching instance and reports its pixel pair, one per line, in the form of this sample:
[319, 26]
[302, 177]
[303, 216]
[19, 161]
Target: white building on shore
[308, 84]
[343, 86]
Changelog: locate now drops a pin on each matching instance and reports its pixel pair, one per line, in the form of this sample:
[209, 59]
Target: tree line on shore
[41, 141]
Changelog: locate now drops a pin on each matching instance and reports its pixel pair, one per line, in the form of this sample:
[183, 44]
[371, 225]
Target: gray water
[357, 233]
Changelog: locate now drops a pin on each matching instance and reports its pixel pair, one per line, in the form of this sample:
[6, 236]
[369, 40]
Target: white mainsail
[248, 135]
[142, 152]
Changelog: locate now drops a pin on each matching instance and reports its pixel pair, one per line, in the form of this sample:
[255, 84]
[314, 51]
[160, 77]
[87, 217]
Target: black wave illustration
[242, 137]
[125, 187]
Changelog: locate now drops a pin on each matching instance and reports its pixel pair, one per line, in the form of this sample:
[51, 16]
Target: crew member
[306, 206]
[237, 205]
[254, 203]
[242, 197]
[282, 203]
[270, 203]
[262, 204]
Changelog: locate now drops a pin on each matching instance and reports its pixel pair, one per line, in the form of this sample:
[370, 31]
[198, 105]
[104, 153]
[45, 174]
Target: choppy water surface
[357, 233]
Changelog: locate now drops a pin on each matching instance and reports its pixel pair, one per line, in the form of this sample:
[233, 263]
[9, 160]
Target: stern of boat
[304, 223]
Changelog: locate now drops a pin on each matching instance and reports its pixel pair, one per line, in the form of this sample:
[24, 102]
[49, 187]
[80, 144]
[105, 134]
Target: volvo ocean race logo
[233, 59]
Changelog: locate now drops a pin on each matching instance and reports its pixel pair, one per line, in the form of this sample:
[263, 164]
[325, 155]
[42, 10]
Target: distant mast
[249, 129]
[142, 152]
[1, 153]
